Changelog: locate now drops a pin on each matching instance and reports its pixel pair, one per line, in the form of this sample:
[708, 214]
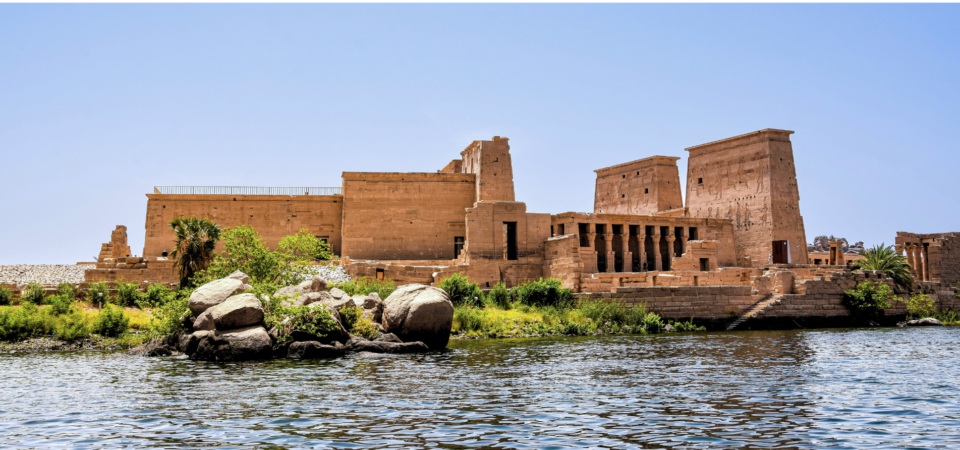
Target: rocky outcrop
[237, 311]
[314, 350]
[312, 297]
[205, 322]
[213, 294]
[416, 312]
[371, 305]
[156, 347]
[317, 284]
[359, 344]
[234, 345]
[238, 275]
[927, 322]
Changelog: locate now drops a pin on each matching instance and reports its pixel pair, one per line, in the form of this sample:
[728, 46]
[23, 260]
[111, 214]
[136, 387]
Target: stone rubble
[21, 274]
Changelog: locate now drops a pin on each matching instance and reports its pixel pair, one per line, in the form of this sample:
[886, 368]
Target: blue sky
[99, 103]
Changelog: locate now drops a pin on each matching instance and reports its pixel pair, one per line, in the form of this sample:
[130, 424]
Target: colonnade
[918, 257]
[625, 238]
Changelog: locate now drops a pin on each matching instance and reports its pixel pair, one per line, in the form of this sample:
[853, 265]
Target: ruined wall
[490, 161]
[404, 215]
[932, 256]
[644, 186]
[486, 251]
[561, 260]
[751, 180]
[273, 216]
[117, 247]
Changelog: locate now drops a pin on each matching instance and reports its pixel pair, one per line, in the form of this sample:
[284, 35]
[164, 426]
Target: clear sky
[99, 103]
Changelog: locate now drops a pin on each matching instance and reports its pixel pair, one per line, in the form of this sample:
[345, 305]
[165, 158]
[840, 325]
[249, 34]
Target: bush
[684, 327]
[316, 321]
[542, 292]
[653, 323]
[919, 305]
[868, 298]
[74, 326]
[19, 323]
[167, 319]
[67, 291]
[60, 305]
[461, 291]
[6, 296]
[470, 319]
[156, 296]
[366, 286]
[98, 293]
[244, 250]
[499, 297]
[356, 324]
[304, 246]
[614, 312]
[111, 322]
[33, 293]
[128, 294]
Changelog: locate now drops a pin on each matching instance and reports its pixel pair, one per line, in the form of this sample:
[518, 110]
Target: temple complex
[739, 229]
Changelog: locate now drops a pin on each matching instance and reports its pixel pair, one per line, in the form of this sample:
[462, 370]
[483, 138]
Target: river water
[823, 388]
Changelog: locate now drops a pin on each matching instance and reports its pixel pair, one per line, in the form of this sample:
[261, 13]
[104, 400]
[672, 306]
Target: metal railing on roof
[245, 190]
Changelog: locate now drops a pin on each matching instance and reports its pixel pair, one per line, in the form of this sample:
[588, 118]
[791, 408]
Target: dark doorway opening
[600, 245]
[379, 274]
[584, 230]
[693, 234]
[780, 252]
[510, 231]
[704, 264]
[457, 246]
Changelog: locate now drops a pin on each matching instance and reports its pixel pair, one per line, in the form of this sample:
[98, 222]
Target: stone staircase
[755, 309]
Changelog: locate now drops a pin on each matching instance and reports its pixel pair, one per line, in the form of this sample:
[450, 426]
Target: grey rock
[238, 275]
[337, 293]
[311, 298]
[205, 322]
[156, 347]
[234, 345]
[359, 344]
[388, 337]
[416, 312]
[213, 294]
[927, 322]
[314, 350]
[237, 311]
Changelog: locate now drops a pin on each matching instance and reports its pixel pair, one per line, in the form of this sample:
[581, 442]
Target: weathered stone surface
[237, 312]
[359, 344]
[371, 305]
[234, 345]
[388, 337]
[238, 275]
[338, 293]
[419, 313]
[317, 284]
[156, 347]
[205, 322]
[311, 298]
[213, 294]
[927, 322]
[314, 350]
[188, 343]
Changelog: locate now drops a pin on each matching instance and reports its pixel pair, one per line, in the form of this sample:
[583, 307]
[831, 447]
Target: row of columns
[641, 238]
[918, 258]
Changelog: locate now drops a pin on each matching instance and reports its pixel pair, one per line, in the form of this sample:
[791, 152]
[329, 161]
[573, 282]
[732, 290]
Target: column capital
[671, 238]
[608, 236]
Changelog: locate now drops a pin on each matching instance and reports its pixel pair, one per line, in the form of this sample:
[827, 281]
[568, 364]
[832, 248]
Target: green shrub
[304, 246]
[19, 323]
[33, 293]
[471, 319]
[919, 305]
[156, 296]
[948, 317]
[684, 327]
[499, 296]
[111, 322]
[316, 321]
[67, 291]
[353, 320]
[366, 286]
[542, 292]
[98, 293]
[461, 291]
[74, 326]
[6, 296]
[653, 323]
[128, 294]
[60, 305]
[868, 298]
[167, 319]
[244, 250]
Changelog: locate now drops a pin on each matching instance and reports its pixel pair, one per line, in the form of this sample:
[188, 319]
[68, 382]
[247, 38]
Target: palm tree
[195, 240]
[886, 260]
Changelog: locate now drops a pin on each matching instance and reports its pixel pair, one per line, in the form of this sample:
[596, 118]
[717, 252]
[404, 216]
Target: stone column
[658, 261]
[611, 256]
[642, 238]
[915, 262]
[670, 241]
[592, 236]
[683, 239]
[926, 262]
[627, 256]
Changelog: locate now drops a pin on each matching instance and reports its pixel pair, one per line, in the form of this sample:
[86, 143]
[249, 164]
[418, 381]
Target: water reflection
[846, 388]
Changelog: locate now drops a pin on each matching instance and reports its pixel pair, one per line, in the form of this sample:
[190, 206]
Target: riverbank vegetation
[544, 308]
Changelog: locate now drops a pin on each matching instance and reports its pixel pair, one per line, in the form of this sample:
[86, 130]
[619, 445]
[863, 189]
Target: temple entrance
[781, 252]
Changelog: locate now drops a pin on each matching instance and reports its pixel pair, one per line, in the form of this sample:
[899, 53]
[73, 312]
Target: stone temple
[736, 248]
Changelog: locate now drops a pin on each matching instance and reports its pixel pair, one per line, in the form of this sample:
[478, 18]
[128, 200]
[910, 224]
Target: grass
[76, 321]
[587, 318]
[949, 317]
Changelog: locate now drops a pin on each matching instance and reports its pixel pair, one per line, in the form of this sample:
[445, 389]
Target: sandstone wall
[561, 260]
[486, 250]
[273, 216]
[751, 180]
[645, 186]
[490, 161]
[408, 216]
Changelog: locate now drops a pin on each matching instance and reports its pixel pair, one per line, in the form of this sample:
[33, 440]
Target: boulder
[314, 350]
[337, 293]
[238, 275]
[213, 294]
[188, 343]
[927, 322]
[416, 312]
[317, 284]
[388, 337]
[359, 344]
[234, 345]
[237, 312]
[371, 305]
[156, 347]
[311, 298]
[205, 322]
